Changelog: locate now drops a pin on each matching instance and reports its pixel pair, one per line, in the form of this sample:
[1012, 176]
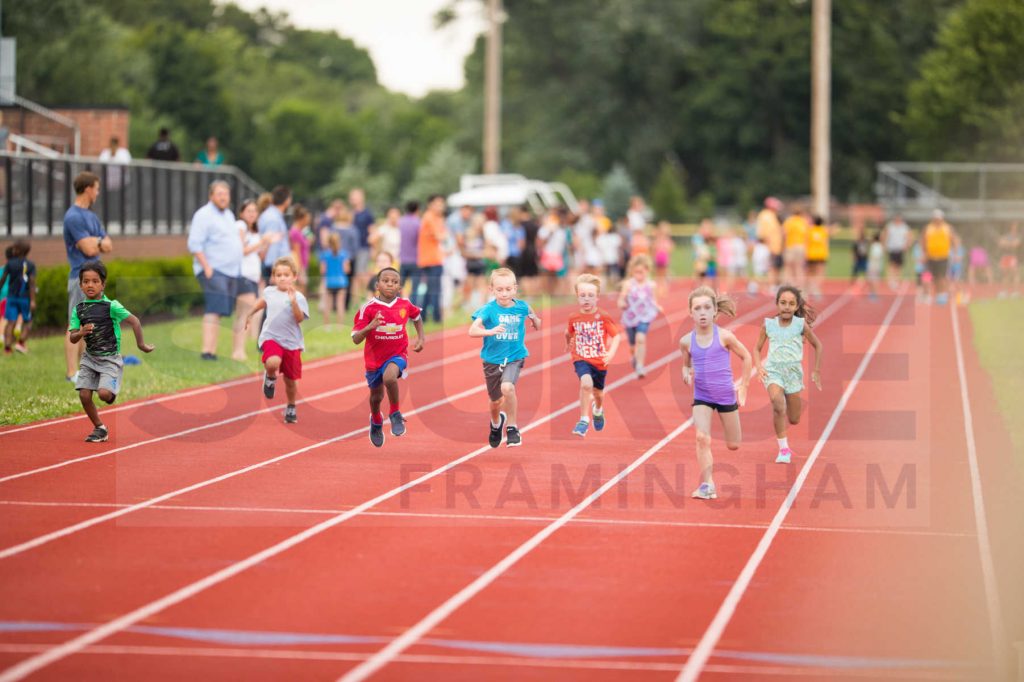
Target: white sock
[495, 425]
[783, 443]
[585, 419]
[598, 411]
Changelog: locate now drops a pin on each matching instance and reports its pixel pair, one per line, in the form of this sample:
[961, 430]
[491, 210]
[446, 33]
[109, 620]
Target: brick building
[97, 126]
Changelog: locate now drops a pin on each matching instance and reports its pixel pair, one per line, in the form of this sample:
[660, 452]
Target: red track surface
[856, 585]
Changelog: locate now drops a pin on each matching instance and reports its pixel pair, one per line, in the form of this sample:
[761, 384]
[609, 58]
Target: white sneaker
[706, 491]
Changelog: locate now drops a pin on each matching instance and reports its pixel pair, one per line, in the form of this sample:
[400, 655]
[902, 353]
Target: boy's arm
[136, 325]
[815, 342]
[616, 340]
[260, 305]
[31, 291]
[417, 345]
[477, 329]
[297, 312]
[3, 278]
[534, 318]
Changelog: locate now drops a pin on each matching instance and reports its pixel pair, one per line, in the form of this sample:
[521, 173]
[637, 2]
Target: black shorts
[939, 268]
[860, 266]
[816, 261]
[777, 261]
[583, 368]
[496, 375]
[896, 258]
[716, 407]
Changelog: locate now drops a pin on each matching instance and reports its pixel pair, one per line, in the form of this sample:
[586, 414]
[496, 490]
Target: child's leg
[778, 399]
[272, 365]
[794, 406]
[290, 390]
[733, 432]
[106, 396]
[511, 403]
[702, 427]
[9, 335]
[376, 398]
[598, 400]
[496, 409]
[25, 329]
[586, 396]
[90, 407]
[640, 353]
[391, 373]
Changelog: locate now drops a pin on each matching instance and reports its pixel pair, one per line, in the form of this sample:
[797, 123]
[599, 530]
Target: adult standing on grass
[253, 247]
[84, 240]
[430, 257]
[769, 230]
[362, 218]
[217, 255]
[897, 238]
[408, 250]
[271, 222]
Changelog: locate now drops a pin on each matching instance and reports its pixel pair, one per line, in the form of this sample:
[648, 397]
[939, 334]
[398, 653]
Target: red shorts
[291, 360]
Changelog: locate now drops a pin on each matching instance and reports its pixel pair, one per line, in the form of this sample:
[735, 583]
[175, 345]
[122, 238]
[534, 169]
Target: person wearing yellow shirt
[939, 240]
[795, 228]
[818, 236]
[769, 231]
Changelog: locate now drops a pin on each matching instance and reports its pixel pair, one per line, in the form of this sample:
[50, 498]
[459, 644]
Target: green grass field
[34, 385]
[998, 330]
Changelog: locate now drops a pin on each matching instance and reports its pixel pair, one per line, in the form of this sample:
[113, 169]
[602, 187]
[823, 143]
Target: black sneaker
[207, 356]
[512, 437]
[268, 386]
[290, 416]
[397, 424]
[376, 434]
[98, 435]
[495, 438]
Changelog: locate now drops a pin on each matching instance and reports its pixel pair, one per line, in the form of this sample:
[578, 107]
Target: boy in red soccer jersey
[592, 337]
[381, 323]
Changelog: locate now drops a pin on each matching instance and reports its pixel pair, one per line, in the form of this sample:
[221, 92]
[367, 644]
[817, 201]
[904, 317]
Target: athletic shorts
[631, 332]
[938, 268]
[816, 261]
[219, 293]
[375, 377]
[788, 377]
[100, 372]
[496, 375]
[291, 360]
[716, 407]
[896, 258]
[583, 368]
[18, 306]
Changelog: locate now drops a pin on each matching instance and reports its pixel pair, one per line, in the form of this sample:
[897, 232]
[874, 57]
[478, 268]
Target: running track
[207, 539]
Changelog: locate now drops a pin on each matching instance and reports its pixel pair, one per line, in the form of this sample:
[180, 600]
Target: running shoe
[268, 386]
[397, 424]
[512, 437]
[581, 428]
[290, 416]
[784, 456]
[706, 491]
[494, 439]
[20, 347]
[598, 420]
[377, 433]
[98, 435]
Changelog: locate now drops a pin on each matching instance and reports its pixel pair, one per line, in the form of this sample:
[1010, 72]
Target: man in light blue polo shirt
[271, 221]
[216, 247]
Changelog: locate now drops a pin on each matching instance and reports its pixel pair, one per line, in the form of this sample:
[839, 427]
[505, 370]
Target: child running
[592, 337]
[281, 337]
[502, 324]
[783, 372]
[19, 275]
[639, 302]
[381, 323]
[98, 320]
[706, 365]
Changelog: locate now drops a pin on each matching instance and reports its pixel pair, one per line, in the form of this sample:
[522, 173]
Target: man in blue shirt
[216, 247]
[271, 221]
[84, 240]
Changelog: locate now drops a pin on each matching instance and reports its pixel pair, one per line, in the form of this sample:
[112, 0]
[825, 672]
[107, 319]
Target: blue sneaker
[706, 491]
[581, 428]
[598, 421]
[397, 424]
[376, 433]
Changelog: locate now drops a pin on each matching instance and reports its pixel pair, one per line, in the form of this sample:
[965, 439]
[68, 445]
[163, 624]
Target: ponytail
[722, 303]
[803, 308]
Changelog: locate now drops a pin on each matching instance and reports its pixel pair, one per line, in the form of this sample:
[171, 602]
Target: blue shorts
[375, 378]
[641, 328]
[583, 368]
[18, 306]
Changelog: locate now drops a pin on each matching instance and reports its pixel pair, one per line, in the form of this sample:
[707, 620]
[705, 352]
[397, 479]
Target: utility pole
[821, 95]
[492, 89]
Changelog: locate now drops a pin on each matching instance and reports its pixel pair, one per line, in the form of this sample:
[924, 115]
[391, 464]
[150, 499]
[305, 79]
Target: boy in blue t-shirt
[502, 325]
[19, 278]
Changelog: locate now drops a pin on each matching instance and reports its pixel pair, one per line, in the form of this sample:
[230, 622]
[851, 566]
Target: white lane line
[89, 523]
[709, 640]
[323, 362]
[441, 362]
[516, 518]
[61, 651]
[1000, 650]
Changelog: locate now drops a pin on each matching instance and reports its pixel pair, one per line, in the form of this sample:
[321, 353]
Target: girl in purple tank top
[706, 364]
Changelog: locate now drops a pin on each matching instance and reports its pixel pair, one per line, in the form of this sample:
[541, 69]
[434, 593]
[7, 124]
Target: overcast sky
[410, 56]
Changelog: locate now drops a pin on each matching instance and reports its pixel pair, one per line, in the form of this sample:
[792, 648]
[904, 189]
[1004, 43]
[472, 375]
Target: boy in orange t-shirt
[592, 337]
